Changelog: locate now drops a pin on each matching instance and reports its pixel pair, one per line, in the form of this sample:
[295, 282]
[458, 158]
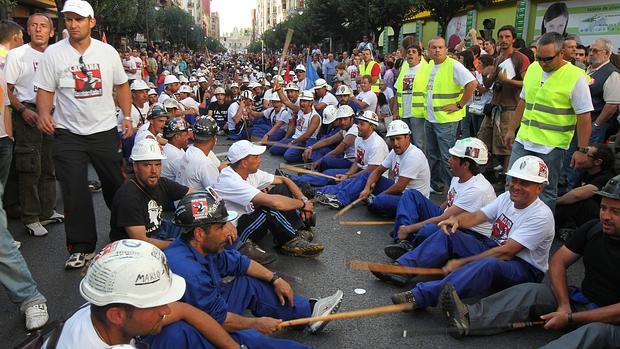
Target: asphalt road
[309, 277]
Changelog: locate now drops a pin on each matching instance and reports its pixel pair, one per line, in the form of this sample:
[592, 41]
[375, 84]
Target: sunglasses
[82, 65]
[546, 59]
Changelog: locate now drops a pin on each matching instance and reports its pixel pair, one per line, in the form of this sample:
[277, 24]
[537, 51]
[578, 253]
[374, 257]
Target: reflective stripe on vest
[549, 118]
[366, 69]
[445, 91]
[417, 98]
[399, 88]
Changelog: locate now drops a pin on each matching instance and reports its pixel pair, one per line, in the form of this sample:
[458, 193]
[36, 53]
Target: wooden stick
[396, 269]
[366, 222]
[287, 42]
[282, 145]
[387, 309]
[347, 208]
[303, 170]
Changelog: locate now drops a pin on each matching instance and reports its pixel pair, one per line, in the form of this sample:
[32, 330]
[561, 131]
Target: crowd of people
[512, 138]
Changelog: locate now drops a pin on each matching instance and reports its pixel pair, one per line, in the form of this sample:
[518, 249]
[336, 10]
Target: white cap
[320, 83]
[530, 168]
[300, 67]
[472, 148]
[147, 149]
[291, 86]
[234, 84]
[275, 97]
[152, 92]
[170, 79]
[397, 127]
[254, 84]
[131, 272]
[202, 79]
[185, 89]
[291, 73]
[344, 90]
[369, 116]
[329, 114]
[307, 95]
[192, 79]
[241, 149]
[139, 85]
[344, 111]
[245, 79]
[183, 79]
[219, 91]
[82, 8]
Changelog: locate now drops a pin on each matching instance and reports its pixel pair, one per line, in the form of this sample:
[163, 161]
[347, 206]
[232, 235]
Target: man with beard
[138, 203]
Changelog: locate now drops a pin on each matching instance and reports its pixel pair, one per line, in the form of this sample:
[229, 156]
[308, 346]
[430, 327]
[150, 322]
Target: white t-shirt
[196, 170]
[138, 62]
[143, 132]
[329, 99]
[268, 94]
[163, 96]
[232, 111]
[389, 94]
[353, 72]
[130, 64]
[580, 99]
[170, 165]
[471, 196]
[21, 66]
[274, 117]
[369, 98]
[533, 227]
[189, 102]
[411, 164]
[237, 192]
[303, 122]
[371, 151]
[5, 99]
[407, 88]
[462, 77]
[84, 102]
[136, 114]
[349, 153]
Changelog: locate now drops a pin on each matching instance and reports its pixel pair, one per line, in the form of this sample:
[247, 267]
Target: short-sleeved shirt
[411, 164]
[219, 112]
[349, 153]
[601, 257]
[83, 92]
[79, 332]
[533, 227]
[508, 95]
[135, 206]
[598, 180]
[170, 165]
[471, 196]
[196, 170]
[130, 64]
[21, 66]
[237, 192]
[462, 77]
[329, 99]
[273, 116]
[370, 151]
[370, 98]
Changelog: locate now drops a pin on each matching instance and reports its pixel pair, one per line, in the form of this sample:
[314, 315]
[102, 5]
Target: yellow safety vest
[445, 92]
[366, 69]
[416, 113]
[549, 118]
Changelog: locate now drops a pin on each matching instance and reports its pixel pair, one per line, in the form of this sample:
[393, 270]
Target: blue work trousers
[318, 181]
[258, 131]
[291, 155]
[413, 208]
[331, 162]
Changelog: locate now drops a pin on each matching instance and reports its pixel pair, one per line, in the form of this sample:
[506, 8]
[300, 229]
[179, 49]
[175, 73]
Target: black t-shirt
[220, 112]
[601, 258]
[138, 206]
[598, 180]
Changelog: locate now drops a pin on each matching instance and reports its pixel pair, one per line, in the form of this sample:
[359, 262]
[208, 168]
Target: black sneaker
[311, 222]
[256, 253]
[94, 186]
[307, 190]
[403, 297]
[455, 311]
[306, 234]
[279, 172]
[394, 279]
[398, 249]
[300, 247]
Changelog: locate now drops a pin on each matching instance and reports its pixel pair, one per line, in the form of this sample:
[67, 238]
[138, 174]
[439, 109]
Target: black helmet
[204, 128]
[611, 189]
[156, 111]
[175, 125]
[201, 208]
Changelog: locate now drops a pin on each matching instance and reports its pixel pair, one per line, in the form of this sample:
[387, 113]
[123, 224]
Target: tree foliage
[443, 11]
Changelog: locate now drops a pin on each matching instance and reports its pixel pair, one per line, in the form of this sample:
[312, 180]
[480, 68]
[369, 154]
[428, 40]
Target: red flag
[103, 38]
[287, 77]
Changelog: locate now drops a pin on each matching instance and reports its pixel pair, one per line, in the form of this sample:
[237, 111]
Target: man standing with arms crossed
[80, 73]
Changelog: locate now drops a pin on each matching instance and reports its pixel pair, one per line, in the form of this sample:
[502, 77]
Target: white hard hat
[369, 116]
[344, 111]
[291, 73]
[344, 90]
[185, 89]
[397, 127]
[171, 103]
[300, 67]
[320, 83]
[254, 85]
[472, 148]
[192, 79]
[275, 97]
[219, 91]
[329, 114]
[139, 85]
[202, 79]
[306, 95]
[183, 79]
[132, 272]
[530, 168]
[170, 79]
[291, 86]
[234, 84]
[152, 92]
[147, 149]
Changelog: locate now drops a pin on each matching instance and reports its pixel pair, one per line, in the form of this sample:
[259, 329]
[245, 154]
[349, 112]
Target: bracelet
[128, 118]
[569, 316]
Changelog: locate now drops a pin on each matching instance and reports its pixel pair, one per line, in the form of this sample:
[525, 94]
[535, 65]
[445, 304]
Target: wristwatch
[274, 278]
[20, 110]
[583, 150]
[458, 105]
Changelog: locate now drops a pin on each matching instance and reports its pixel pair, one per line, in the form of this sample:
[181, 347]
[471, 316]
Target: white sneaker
[36, 229]
[17, 244]
[54, 218]
[322, 307]
[36, 316]
[78, 259]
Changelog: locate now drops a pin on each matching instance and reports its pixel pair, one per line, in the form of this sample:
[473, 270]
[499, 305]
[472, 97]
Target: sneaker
[403, 297]
[94, 186]
[279, 172]
[307, 190]
[311, 222]
[328, 200]
[391, 278]
[54, 218]
[300, 247]
[256, 253]
[398, 249]
[322, 307]
[78, 259]
[306, 234]
[455, 311]
[36, 229]
[36, 316]
[17, 244]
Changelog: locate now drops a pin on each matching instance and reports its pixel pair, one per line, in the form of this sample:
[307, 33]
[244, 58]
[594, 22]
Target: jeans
[554, 164]
[14, 273]
[416, 125]
[440, 138]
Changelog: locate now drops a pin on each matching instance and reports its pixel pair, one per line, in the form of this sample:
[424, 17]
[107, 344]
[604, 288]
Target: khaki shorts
[491, 133]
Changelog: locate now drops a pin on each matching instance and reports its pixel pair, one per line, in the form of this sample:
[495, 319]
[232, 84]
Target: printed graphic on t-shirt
[35, 65]
[300, 123]
[501, 229]
[154, 211]
[407, 83]
[359, 156]
[87, 80]
[396, 171]
[451, 196]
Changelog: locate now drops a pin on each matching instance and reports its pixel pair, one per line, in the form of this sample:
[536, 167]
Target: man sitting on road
[201, 257]
[177, 133]
[200, 167]
[277, 122]
[417, 216]
[283, 210]
[517, 251]
[595, 307]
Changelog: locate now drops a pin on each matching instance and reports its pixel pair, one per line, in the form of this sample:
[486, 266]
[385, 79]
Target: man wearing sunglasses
[554, 102]
[80, 74]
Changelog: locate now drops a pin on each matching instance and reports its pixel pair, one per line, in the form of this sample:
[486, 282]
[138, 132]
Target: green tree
[443, 11]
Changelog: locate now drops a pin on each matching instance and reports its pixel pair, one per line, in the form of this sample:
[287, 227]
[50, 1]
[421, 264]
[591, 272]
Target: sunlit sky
[233, 13]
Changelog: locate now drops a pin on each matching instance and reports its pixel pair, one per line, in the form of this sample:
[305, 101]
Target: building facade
[271, 12]
[238, 40]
